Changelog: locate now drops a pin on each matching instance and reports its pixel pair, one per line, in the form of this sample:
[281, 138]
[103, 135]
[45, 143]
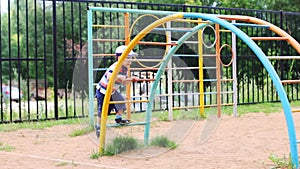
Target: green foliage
[121, 144]
[95, 155]
[5, 147]
[287, 5]
[281, 162]
[38, 125]
[163, 141]
[179, 114]
[186, 2]
[81, 131]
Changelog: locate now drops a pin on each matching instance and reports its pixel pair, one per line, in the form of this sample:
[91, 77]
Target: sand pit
[229, 142]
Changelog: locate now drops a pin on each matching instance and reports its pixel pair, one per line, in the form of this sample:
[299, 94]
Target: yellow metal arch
[130, 46]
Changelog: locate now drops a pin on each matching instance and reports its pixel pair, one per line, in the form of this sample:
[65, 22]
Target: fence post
[54, 59]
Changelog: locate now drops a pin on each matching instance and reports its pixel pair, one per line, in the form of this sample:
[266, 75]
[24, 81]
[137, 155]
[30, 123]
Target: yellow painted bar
[272, 27]
[200, 71]
[225, 30]
[130, 46]
[218, 71]
[295, 110]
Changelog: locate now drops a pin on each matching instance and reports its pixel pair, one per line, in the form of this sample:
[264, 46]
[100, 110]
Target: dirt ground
[229, 142]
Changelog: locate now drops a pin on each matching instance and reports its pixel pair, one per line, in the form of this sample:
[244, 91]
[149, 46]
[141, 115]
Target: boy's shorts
[116, 96]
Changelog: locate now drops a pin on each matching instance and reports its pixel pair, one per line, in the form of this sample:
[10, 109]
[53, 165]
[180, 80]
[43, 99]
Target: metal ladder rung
[103, 55]
[146, 60]
[283, 57]
[252, 25]
[209, 67]
[225, 30]
[99, 69]
[174, 29]
[269, 38]
[128, 101]
[295, 110]
[209, 80]
[290, 81]
[184, 68]
[129, 124]
[190, 42]
[156, 43]
[185, 55]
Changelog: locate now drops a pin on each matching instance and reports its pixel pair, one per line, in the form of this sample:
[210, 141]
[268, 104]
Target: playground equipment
[208, 19]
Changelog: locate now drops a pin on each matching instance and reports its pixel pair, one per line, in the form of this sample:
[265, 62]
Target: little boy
[116, 95]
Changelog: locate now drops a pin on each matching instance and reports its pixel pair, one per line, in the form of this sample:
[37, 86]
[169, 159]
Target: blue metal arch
[261, 56]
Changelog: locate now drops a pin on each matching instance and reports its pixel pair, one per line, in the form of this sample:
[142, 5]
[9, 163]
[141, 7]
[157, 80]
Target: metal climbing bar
[251, 25]
[269, 38]
[174, 29]
[290, 81]
[128, 101]
[155, 43]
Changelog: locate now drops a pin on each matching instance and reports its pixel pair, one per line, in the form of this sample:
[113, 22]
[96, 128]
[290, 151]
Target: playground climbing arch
[209, 19]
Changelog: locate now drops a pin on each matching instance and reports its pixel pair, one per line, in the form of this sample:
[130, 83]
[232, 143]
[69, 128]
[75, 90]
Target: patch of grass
[40, 125]
[82, 131]
[5, 147]
[281, 162]
[267, 108]
[163, 141]
[121, 144]
[179, 114]
[95, 155]
[61, 164]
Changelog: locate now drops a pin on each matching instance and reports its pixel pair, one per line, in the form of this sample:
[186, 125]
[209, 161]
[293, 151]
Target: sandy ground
[229, 142]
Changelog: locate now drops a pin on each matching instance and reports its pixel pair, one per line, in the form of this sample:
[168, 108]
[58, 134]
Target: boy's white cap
[121, 49]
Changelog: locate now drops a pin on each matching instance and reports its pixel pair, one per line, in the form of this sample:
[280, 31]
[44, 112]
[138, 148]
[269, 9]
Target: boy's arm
[125, 80]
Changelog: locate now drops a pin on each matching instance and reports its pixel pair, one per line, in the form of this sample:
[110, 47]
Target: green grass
[163, 141]
[161, 115]
[5, 147]
[281, 162]
[121, 144]
[82, 131]
[95, 155]
[40, 125]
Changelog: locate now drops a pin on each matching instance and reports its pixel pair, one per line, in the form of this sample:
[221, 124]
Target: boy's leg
[100, 98]
[119, 107]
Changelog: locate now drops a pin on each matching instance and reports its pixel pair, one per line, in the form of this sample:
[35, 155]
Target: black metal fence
[43, 54]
